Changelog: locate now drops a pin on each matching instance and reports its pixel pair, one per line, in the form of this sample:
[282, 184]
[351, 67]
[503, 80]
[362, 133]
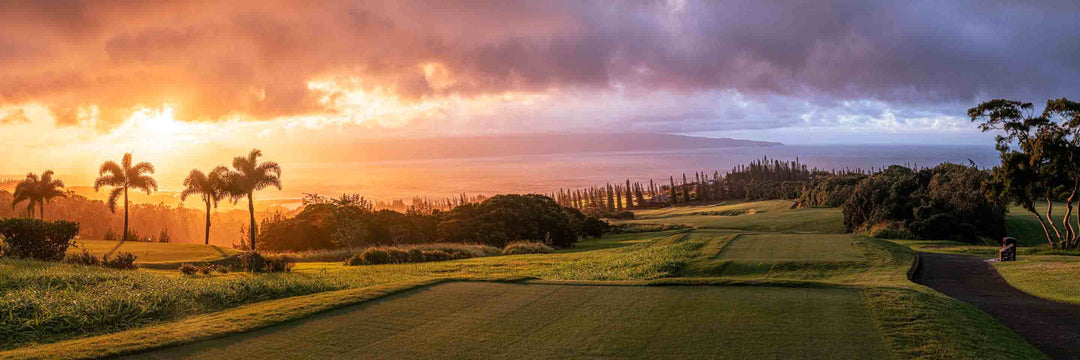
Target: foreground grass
[914, 321]
[531, 321]
[48, 302]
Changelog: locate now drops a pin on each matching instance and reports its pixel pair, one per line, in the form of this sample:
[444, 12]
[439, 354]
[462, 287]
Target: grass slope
[511, 321]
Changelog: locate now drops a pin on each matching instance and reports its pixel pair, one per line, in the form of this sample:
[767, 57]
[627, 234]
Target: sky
[193, 83]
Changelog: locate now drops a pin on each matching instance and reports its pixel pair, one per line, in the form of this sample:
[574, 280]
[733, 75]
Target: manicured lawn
[721, 209]
[806, 220]
[490, 320]
[1051, 277]
[791, 247]
[148, 252]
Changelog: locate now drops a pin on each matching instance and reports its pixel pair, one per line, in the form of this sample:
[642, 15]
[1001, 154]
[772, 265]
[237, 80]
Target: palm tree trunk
[207, 221]
[125, 237]
[41, 206]
[251, 211]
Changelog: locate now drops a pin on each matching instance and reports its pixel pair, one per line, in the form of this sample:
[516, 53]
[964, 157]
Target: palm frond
[126, 161]
[114, 195]
[145, 183]
[143, 168]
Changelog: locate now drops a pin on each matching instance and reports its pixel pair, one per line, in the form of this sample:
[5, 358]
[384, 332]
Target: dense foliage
[949, 201]
[1039, 160]
[496, 221]
[36, 239]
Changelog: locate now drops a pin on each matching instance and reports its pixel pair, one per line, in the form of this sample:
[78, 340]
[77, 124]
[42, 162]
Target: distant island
[528, 144]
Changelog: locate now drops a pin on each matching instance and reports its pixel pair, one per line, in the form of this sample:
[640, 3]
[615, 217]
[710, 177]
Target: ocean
[388, 180]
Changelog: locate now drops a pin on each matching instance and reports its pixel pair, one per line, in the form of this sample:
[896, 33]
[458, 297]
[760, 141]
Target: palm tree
[122, 177]
[38, 191]
[211, 187]
[251, 176]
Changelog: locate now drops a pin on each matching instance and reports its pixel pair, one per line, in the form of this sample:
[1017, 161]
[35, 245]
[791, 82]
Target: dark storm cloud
[256, 58]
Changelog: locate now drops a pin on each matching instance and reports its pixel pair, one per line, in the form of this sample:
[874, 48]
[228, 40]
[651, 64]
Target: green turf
[806, 220]
[1051, 277]
[148, 252]
[724, 208]
[791, 247]
[488, 320]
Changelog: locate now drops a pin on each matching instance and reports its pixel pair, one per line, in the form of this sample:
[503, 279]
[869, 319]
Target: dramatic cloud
[681, 66]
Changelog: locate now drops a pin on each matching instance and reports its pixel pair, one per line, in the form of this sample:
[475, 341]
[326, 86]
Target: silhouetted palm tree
[38, 191]
[251, 176]
[122, 177]
[211, 187]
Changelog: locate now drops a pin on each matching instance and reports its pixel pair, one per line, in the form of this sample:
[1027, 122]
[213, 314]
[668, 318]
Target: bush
[375, 256]
[206, 269]
[437, 255]
[251, 261]
[886, 232]
[36, 239]
[594, 227]
[122, 261]
[624, 215]
[398, 256]
[355, 260]
[416, 255]
[221, 269]
[526, 247]
[188, 269]
[82, 258]
[279, 263]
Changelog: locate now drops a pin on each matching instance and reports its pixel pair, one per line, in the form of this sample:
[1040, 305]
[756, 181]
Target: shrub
[375, 256]
[355, 260]
[36, 239]
[206, 269]
[188, 269]
[398, 256]
[221, 269]
[624, 215]
[82, 258]
[886, 232]
[416, 255]
[279, 263]
[595, 227]
[122, 261]
[437, 255]
[526, 247]
[251, 261]
[164, 236]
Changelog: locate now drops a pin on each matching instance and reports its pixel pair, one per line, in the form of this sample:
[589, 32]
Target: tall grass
[49, 301]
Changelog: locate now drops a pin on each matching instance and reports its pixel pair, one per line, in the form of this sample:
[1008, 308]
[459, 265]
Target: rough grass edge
[205, 327]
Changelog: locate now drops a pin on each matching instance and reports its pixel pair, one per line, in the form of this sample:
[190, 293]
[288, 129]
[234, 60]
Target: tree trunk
[207, 242]
[1050, 217]
[1050, 239]
[125, 237]
[251, 211]
[41, 207]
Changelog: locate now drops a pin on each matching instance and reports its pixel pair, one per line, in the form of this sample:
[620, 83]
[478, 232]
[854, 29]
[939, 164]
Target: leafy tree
[1039, 157]
[211, 187]
[38, 191]
[122, 177]
[250, 176]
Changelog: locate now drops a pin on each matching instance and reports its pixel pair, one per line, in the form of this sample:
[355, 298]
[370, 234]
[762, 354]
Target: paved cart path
[1051, 326]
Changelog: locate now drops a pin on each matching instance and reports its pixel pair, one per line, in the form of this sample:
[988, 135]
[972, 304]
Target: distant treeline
[762, 179]
[352, 222]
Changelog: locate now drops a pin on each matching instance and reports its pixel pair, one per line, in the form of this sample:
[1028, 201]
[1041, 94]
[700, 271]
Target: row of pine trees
[758, 180]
